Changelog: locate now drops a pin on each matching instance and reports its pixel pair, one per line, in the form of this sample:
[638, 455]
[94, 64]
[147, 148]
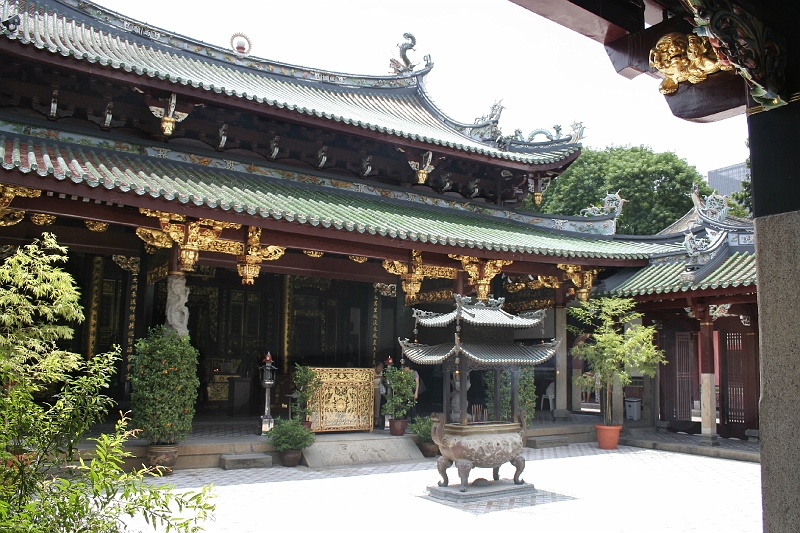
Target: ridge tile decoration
[598, 226]
[272, 196]
[401, 112]
[738, 270]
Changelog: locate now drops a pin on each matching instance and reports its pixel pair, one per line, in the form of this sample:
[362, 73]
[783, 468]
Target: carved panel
[345, 401]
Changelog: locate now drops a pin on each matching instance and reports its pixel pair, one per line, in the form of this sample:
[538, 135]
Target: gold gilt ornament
[249, 266]
[153, 239]
[582, 279]
[93, 225]
[518, 283]
[8, 216]
[191, 236]
[412, 274]
[40, 219]
[481, 273]
[313, 253]
[681, 57]
[358, 258]
[345, 401]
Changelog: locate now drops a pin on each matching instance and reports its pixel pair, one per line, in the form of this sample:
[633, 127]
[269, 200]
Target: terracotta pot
[306, 424]
[163, 456]
[397, 427]
[428, 449]
[607, 436]
[291, 457]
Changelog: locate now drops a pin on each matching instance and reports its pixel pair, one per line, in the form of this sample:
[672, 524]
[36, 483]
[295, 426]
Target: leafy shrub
[306, 384]
[422, 427]
[526, 392]
[44, 486]
[164, 381]
[290, 435]
[400, 394]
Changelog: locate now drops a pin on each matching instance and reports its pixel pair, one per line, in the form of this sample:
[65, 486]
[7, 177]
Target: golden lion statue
[684, 58]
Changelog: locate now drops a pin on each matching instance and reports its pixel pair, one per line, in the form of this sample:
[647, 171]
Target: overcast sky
[483, 50]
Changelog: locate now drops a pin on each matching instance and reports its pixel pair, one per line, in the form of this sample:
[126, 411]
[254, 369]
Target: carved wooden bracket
[8, 216]
[757, 52]
[481, 273]
[249, 265]
[582, 279]
[169, 111]
[518, 283]
[413, 272]
[190, 235]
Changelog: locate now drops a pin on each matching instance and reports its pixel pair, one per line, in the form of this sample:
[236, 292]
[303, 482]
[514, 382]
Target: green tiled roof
[738, 270]
[300, 203]
[395, 111]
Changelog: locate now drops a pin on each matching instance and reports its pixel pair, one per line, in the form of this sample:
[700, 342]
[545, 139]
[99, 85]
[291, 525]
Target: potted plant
[615, 345]
[306, 384]
[164, 389]
[399, 398]
[290, 437]
[422, 428]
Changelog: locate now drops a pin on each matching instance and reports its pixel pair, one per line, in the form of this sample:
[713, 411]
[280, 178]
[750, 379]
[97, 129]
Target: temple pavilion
[303, 212]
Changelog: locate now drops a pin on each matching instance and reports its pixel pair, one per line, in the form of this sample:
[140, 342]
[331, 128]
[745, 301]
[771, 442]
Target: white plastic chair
[549, 395]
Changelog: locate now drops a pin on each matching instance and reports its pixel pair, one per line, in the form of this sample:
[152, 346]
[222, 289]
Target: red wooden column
[708, 394]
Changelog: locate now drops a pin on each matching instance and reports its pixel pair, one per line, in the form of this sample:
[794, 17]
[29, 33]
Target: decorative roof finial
[406, 66]
[241, 44]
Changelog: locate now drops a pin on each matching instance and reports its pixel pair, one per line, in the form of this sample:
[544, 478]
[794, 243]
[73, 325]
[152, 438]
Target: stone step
[245, 460]
[334, 450]
[547, 442]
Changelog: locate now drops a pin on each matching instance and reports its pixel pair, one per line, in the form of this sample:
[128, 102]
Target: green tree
[44, 485]
[526, 392]
[616, 344]
[742, 200]
[657, 187]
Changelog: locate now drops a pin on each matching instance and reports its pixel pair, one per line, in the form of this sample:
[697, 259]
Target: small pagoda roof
[395, 105]
[137, 172]
[480, 354]
[479, 313]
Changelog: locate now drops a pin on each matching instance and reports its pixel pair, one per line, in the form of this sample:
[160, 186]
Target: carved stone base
[504, 488]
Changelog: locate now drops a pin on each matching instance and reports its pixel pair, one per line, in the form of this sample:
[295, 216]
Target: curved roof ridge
[150, 34]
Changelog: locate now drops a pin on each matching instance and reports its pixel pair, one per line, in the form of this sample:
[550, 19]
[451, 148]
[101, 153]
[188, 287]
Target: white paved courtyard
[581, 489]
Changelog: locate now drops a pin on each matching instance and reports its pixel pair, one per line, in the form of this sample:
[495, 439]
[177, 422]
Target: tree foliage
[164, 381]
[45, 486]
[616, 344]
[657, 187]
[526, 392]
[400, 393]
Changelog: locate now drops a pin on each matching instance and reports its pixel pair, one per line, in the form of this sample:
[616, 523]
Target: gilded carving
[9, 192]
[682, 58]
[481, 273]
[358, 258]
[95, 292]
[157, 274]
[249, 266]
[345, 401]
[154, 238]
[313, 253]
[442, 295]
[528, 305]
[517, 283]
[415, 271]
[132, 265]
[40, 219]
[93, 225]
[10, 217]
[582, 279]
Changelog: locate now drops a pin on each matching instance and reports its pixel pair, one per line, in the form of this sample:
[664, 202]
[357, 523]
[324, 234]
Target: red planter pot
[397, 427]
[607, 436]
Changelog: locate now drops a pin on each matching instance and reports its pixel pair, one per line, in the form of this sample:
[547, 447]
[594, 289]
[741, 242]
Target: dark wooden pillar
[498, 412]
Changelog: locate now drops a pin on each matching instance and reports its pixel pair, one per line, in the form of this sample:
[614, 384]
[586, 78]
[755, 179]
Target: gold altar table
[345, 401]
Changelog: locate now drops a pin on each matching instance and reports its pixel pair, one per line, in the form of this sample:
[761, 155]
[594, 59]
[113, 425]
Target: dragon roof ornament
[404, 66]
[713, 207]
[612, 205]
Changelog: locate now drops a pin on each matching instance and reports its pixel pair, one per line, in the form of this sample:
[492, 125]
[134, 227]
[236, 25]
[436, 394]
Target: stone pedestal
[708, 411]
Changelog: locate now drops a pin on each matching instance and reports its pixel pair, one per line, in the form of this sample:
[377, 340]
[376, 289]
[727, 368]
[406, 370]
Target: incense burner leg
[464, 467]
[519, 463]
[496, 473]
[442, 464]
